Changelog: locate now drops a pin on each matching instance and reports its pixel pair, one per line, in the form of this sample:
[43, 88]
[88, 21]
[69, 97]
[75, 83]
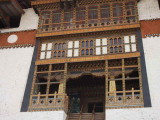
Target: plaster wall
[152, 58]
[29, 21]
[14, 69]
[148, 9]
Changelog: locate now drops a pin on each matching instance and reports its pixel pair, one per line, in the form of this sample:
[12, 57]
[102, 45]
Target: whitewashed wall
[29, 21]
[148, 9]
[14, 69]
[152, 57]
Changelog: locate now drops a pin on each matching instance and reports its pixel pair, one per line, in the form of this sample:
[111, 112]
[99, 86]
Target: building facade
[95, 59]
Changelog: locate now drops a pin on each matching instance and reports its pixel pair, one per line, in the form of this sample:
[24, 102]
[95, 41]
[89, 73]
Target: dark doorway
[85, 92]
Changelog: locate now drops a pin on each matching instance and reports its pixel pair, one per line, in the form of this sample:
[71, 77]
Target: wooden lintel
[43, 2]
[56, 33]
[93, 58]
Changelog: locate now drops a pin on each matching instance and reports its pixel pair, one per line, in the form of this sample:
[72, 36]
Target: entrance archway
[86, 93]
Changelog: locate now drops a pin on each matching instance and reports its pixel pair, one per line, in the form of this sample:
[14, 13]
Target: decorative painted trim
[153, 35]
[1, 31]
[17, 46]
[151, 19]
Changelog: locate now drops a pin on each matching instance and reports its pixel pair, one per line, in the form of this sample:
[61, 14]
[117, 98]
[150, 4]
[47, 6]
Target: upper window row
[89, 16]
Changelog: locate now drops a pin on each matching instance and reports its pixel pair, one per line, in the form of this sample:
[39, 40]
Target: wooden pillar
[62, 85]
[106, 82]
[112, 86]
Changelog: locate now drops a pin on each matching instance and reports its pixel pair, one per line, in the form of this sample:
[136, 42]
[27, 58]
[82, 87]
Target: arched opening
[86, 93]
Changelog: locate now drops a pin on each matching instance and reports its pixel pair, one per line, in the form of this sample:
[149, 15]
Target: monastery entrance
[86, 93]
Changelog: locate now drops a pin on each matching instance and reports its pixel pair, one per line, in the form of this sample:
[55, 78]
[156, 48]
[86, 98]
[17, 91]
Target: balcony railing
[131, 98]
[53, 102]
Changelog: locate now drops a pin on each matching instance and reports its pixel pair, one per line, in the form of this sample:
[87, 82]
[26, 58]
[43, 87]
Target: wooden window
[118, 13]
[45, 52]
[56, 20]
[105, 13]
[116, 45]
[130, 43]
[45, 20]
[80, 17]
[92, 14]
[68, 19]
[130, 11]
[59, 50]
[87, 47]
[73, 49]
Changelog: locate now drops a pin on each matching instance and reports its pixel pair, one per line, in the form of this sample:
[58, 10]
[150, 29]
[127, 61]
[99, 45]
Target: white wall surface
[14, 69]
[29, 21]
[148, 9]
[152, 57]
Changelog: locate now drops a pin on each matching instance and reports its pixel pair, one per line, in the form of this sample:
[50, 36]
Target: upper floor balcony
[87, 17]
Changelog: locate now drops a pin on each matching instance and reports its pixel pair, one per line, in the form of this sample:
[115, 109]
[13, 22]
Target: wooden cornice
[92, 58]
[67, 32]
[39, 2]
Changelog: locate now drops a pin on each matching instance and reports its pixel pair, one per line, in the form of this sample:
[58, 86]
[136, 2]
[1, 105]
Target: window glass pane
[69, 53]
[76, 52]
[126, 39]
[49, 47]
[63, 54]
[42, 56]
[87, 43]
[82, 52]
[43, 47]
[83, 43]
[98, 50]
[133, 39]
[98, 42]
[56, 17]
[111, 41]
[59, 54]
[91, 51]
[134, 48]
[111, 49]
[127, 48]
[76, 44]
[104, 50]
[91, 43]
[93, 12]
[104, 41]
[45, 14]
[115, 41]
[70, 44]
[68, 16]
[87, 52]
[48, 55]
[105, 11]
[80, 14]
[55, 54]
[119, 41]
[117, 10]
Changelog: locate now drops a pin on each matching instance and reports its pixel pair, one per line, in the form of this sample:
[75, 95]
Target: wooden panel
[117, 56]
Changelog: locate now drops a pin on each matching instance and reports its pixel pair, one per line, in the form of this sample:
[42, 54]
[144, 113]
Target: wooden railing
[53, 102]
[131, 98]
